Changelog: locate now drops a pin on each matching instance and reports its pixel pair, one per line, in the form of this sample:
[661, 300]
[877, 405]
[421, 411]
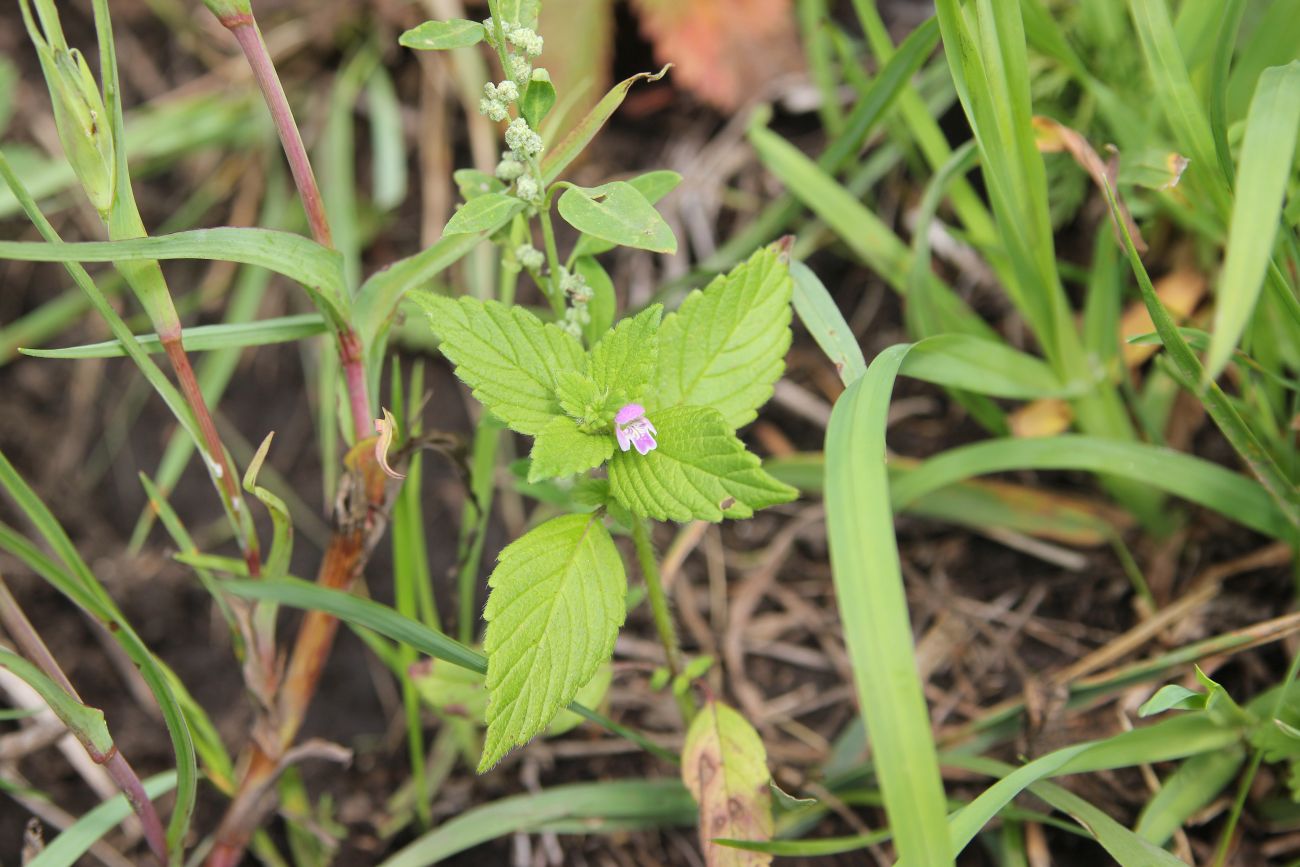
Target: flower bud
[85, 129]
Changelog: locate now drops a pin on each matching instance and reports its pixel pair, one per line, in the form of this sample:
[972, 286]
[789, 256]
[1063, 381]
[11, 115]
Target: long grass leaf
[873, 608]
[665, 802]
[1267, 154]
[66, 849]
[284, 329]
[1230, 494]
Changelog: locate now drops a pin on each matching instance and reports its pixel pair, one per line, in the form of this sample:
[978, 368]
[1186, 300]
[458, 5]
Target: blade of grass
[66, 849]
[873, 608]
[663, 802]
[1267, 154]
[238, 335]
[1230, 494]
[387, 622]
[1225, 416]
[75, 579]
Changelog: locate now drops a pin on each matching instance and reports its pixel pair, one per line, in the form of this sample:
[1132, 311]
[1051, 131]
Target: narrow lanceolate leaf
[724, 766]
[624, 361]
[439, 35]
[233, 335]
[562, 449]
[485, 213]
[698, 471]
[619, 213]
[726, 345]
[1263, 168]
[556, 603]
[507, 355]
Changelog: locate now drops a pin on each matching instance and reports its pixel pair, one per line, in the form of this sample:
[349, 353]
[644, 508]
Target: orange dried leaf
[1052, 137]
[722, 50]
[1180, 291]
[1041, 418]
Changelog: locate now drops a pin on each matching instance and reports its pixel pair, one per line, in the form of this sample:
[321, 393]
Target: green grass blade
[865, 233]
[665, 802]
[377, 300]
[1198, 781]
[1230, 494]
[826, 324]
[1229, 421]
[1264, 166]
[1174, 738]
[873, 608]
[73, 575]
[284, 329]
[1176, 97]
[301, 259]
[387, 622]
[66, 849]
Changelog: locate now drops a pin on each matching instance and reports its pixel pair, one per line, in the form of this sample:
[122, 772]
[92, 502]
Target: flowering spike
[633, 430]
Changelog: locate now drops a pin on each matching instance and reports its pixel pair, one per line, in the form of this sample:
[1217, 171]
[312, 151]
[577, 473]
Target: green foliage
[556, 604]
[440, 35]
[726, 345]
[538, 98]
[563, 449]
[483, 213]
[619, 213]
[699, 471]
[508, 356]
[623, 363]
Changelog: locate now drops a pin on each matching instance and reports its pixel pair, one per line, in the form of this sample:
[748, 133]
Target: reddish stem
[249, 36]
[29, 641]
[216, 451]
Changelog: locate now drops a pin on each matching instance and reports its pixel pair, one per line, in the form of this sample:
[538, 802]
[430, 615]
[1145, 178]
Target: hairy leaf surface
[557, 600]
[562, 449]
[725, 346]
[699, 471]
[508, 356]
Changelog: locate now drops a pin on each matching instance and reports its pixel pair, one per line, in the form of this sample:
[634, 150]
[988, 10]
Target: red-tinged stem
[343, 562]
[246, 32]
[354, 373]
[216, 451]
[249, 36]
[33, 647]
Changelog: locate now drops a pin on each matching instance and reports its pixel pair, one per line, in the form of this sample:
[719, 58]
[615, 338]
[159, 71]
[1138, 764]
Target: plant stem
[553, 292]
[351, 353]
[663, 618]
[33, 647]
[246, 32]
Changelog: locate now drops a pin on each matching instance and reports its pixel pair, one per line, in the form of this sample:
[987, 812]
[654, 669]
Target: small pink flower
[632, 428]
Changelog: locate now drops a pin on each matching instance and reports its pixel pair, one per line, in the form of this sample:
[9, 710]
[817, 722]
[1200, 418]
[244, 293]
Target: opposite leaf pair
[658, 402]
[695, 377]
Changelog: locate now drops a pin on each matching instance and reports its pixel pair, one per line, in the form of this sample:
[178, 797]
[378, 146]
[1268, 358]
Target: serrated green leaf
[624, 361]
[602, 305]
[563, 449]
[584, 401]
[485, 213]
[538, 98]
[617, 212]
[508, 356]
[698, 471]
[556, 604]
[725, 346]
[440, 35]
[653, 185]
[724, 765]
